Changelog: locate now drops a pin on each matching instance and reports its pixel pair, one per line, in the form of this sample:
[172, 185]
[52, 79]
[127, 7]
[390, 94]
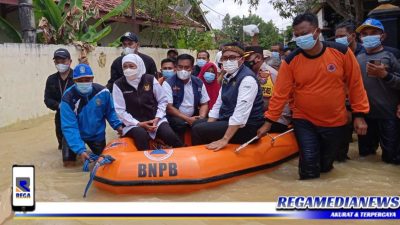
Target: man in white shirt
[238, 111]
[187, 96]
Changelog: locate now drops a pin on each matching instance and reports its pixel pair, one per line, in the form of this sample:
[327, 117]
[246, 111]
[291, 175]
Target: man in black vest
[56, 85]
[130, 44]
[187, 96]
[238, 111]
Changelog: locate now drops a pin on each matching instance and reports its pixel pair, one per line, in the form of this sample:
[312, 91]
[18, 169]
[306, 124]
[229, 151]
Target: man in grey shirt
[381, 76]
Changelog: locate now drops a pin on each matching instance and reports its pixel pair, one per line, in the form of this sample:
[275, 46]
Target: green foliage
[10, 31]
[66, 25]
[291, 8]
[232, 30]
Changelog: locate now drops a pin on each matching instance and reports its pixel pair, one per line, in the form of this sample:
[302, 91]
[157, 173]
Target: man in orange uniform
[318, 74]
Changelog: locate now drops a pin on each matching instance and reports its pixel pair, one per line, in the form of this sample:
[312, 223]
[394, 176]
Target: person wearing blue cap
[130, 45]
[381, 77]
[84, 108]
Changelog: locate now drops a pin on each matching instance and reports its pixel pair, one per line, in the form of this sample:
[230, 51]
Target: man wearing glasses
[238, 111]
[187, 97]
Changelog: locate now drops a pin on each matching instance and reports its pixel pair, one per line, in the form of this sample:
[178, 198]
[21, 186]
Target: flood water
[34, 142]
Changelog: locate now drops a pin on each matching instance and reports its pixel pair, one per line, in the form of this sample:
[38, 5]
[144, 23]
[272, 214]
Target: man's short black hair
[172, 51]
[168, 60]
[308, 17]
[279, 44]
[186, 57]
[208, 54]
[349, 25]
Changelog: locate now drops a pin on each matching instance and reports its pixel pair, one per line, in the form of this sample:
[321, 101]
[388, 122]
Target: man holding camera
[381, 77]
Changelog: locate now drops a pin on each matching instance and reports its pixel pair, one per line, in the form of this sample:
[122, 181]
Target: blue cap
[129, 35]
[373, 23]
[82, 70]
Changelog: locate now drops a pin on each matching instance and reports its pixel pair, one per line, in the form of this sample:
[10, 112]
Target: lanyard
[59, 86]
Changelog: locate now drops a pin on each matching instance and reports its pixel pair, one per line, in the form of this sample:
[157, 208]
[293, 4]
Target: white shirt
[248, 89]
[187, 106]
[127, 118]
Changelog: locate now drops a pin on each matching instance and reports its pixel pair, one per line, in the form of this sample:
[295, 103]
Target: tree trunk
[335, 5]
[27, 20]
[359, 10]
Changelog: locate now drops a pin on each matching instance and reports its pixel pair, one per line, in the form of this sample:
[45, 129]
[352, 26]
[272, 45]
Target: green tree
[233, 30]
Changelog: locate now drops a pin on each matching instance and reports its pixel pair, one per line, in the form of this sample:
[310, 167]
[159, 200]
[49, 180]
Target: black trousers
[96, 147]
[59, 135]
[164, 132]
[180, 126]
[207, 132]
[318, 147]
[383, 132]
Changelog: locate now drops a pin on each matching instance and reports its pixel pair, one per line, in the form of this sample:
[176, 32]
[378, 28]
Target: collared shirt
[187, 106]
[247, 94]
[127, 118]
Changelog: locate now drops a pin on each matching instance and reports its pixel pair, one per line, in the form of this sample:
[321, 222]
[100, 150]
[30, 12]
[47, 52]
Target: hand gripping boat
[187, 169]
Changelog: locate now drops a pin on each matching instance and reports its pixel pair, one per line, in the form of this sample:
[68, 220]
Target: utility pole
[27, 20]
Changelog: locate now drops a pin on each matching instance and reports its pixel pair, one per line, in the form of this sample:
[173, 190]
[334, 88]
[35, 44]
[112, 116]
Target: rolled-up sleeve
[247, 94]
[162, 99]
[214, 112]
[204, 95]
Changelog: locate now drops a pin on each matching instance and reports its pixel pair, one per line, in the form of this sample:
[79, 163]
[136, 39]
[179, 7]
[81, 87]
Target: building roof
[176, 19]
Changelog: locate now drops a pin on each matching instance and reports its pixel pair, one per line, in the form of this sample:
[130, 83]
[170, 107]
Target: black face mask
[249, 64]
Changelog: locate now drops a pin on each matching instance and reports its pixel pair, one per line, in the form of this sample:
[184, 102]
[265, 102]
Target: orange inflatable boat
[187, 169]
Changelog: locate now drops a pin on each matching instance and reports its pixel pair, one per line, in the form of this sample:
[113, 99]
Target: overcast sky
[221, 8]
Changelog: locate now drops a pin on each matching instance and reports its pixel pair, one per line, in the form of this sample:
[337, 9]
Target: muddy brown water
[34, 142]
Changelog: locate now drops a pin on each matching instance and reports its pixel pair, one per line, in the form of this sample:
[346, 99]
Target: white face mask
[231, 66]
[131, 74]
[183, 74]
[62, 67]
[128, 50]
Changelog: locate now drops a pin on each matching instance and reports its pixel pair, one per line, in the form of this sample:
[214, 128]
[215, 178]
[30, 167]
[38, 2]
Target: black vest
[229, 95]
[140, 103]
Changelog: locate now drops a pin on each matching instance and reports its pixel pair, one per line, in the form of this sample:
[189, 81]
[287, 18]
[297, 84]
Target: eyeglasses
[180, 67]
[230, 58]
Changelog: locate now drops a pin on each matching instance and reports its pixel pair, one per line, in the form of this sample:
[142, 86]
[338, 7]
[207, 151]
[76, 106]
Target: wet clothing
[383, 95]
[319, 85]
[96, 147]
[55, 88]
[383, 132]
[213, 87]
[83, 117]
[318, 147]
[239, 103]
[117, 71]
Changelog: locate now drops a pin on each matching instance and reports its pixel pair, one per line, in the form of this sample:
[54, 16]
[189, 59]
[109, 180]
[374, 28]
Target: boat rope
[107, 159]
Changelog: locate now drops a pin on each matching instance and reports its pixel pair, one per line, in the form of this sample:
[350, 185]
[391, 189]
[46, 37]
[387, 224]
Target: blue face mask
[84, 87]
[275, 55]
[342, 40]
[168, 73]
[371, 41]
[306, 42]
[201, 62]
[209, 77]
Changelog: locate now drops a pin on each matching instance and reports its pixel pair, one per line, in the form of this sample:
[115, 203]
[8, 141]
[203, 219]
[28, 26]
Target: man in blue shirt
[84, 108]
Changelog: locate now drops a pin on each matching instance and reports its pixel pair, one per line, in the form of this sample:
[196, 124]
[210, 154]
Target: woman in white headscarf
[140, 103]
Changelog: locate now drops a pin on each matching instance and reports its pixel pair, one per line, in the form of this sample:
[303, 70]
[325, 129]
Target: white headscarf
[134, 58]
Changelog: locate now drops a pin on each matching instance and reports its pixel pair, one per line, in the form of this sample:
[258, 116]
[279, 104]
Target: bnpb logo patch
[331, 68]
[158, 154]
